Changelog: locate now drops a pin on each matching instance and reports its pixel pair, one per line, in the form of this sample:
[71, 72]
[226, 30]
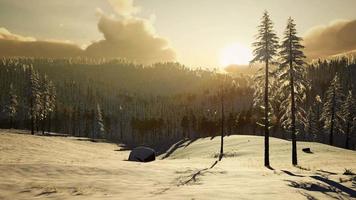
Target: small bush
[349, 172]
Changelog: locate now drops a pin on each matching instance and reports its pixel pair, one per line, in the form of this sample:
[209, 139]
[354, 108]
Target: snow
[39, 167]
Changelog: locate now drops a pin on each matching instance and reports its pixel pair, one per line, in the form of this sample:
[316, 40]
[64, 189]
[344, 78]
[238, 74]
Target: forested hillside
[132, 103]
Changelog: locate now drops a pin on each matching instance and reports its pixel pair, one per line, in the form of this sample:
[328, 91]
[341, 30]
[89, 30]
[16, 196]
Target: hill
[75, 168]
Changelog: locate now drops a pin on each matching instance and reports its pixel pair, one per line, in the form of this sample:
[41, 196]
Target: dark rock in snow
[307, 150]
[142, 154]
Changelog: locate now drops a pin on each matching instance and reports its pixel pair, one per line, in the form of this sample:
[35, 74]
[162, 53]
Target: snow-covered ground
[38, 167]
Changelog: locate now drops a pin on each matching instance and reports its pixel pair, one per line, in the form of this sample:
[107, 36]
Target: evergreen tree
[291, 74]
[193, 124]
[52, 102]
[100, 130]
[34, 96]
[276, 99]
[314, 125]
[310, 127]
[230, 123]
[331, 109]
[11, 108]
[45, 101]
[348, 113]
[265, 50]
[185, 126]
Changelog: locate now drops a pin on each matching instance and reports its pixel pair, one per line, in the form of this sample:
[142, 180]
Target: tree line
[37, 100]
[82, 99]
[131, 116]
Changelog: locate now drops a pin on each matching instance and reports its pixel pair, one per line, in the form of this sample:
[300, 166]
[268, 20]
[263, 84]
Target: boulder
[142, 154]
[307, 150]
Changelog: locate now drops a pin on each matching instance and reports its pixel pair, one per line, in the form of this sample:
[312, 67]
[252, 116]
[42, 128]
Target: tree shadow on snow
[291, 173]
[269, 167]
[328, 187]
[327, 172]
[174, 148]
[192, 178]
[191, 141]
[336, 185]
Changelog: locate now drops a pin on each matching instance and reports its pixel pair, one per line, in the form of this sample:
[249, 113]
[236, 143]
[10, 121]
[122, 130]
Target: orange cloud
[130, 38]
[335, 38]
[127, 36]
[16, 45]
[7, 35]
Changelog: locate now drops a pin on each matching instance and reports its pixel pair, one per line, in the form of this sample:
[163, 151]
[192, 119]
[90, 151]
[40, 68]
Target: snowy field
[38, 167]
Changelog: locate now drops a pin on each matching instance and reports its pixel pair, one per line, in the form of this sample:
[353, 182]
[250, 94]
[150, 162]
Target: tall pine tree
[34, 96]
[348, 113]
[332, 108]
[314, 125]
[291, 74]
[45, 101]
[265, 50]
[11, 108]
[99, 126]
[52, 102]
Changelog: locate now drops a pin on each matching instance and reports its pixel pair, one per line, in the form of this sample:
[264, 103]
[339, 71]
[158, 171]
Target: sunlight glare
[235, 54]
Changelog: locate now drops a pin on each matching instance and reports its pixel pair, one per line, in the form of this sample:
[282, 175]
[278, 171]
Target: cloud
[16, 45]
[131, 38]
[127, 36]
[336, 38]
[7, 35]
[124, 7]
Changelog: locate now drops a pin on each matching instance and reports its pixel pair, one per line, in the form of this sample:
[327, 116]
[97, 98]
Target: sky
[194, 33]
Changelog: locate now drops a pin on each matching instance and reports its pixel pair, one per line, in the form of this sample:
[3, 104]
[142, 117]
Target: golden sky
[199, 33]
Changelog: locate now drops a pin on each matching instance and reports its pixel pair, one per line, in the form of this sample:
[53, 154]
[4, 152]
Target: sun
[235, 54]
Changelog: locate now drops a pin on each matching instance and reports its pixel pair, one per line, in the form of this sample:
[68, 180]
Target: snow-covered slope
[249, 150]
[36, 167]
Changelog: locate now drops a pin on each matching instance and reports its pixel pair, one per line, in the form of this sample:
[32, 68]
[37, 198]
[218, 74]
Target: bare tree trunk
[222, 124]
[293, 126]
[267, 164]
